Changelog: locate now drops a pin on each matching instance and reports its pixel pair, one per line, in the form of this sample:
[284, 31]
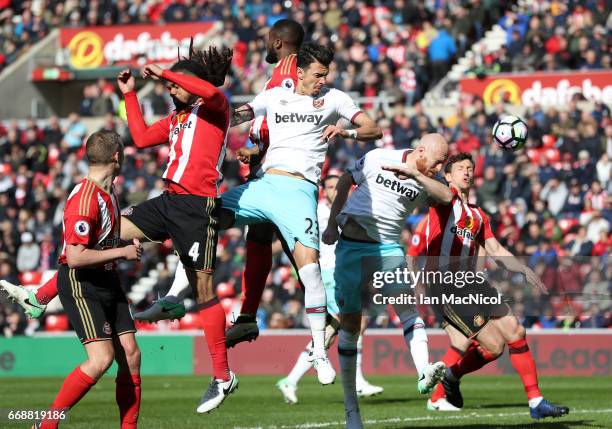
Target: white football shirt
[296, 123]
[327, 253]
[381, 202]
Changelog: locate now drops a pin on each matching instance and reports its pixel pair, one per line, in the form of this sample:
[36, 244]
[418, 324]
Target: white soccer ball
[510, 132]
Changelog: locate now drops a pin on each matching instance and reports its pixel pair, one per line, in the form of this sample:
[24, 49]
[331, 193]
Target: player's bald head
[289, 31]
[434, 144]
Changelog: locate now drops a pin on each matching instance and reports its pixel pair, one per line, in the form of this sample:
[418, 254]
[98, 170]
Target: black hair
[289, 31]
[311, 52]
[329, 176]
[101, 146]
[461, 156]
[209, 65]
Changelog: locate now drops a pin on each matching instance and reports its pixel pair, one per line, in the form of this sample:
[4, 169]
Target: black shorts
[94, 302]
[469, 317]
[191, 221]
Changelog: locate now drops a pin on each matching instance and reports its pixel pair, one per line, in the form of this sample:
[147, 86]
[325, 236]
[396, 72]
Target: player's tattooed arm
[242, 114]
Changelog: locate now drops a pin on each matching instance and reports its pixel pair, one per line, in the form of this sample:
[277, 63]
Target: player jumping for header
[371, 221]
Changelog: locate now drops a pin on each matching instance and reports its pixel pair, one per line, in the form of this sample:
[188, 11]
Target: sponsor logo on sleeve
[81, 228]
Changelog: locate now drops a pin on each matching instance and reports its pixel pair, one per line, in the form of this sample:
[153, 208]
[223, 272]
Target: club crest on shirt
[469, 223]
[318, 103]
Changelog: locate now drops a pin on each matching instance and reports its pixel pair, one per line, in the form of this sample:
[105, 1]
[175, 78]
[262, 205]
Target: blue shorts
[356, 263]
[330, 290]
[289, 203]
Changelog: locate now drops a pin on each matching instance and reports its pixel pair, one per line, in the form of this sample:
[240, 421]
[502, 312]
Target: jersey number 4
[194, 252]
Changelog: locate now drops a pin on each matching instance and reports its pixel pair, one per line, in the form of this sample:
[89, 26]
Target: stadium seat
[56, 323]
[189, 321]
[30, 278]
[225, 290]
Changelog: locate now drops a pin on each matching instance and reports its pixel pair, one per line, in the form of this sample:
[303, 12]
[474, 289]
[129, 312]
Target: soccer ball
[510, 133]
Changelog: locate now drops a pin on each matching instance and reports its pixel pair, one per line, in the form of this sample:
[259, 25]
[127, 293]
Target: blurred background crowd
[550, 203]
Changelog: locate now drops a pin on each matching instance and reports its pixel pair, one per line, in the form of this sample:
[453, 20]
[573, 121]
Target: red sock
[48, 291]
[475, 357]
[75, 386]
[212, 318]
[127, 394]
[523, 363]
[258, 265]
[451, 357]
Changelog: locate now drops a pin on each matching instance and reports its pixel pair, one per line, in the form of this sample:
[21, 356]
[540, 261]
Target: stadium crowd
[380, 45]
[550, 36]
[550, 203]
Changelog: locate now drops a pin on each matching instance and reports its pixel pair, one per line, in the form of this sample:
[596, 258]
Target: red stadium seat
[56, 323]
[190, 321]
[225, 290]
[30, 278]
[145, 326]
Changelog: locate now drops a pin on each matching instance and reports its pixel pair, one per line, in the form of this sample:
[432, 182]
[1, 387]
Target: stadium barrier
[586, 352]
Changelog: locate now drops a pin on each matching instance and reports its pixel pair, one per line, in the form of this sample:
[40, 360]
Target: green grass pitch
[170, 402]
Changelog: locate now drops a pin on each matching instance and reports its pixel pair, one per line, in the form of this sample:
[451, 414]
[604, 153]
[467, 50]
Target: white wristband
[351, 134]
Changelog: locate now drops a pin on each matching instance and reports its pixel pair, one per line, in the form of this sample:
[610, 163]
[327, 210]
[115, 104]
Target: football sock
[347, 355]
[450, 358]
[360, 379]
[473, 359]
[180, 282]
[301, 367]
[416, 339]
[316, 305]
[523, 363]
[48, 291]
[75, 386]
[127, 394]
[212, 318]
[256, 270]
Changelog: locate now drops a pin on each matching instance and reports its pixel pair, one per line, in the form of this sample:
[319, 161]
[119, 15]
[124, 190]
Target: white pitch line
[446, 416]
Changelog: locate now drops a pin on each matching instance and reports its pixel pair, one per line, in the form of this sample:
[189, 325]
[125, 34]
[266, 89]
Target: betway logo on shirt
[298, 117]
[180, 127]
[396, 186]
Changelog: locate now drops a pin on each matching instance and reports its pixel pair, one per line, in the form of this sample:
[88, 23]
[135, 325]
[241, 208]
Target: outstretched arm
[436, 190]
[343, 187]
[500, 254]
[213, 98]
[366, 129]
[242, 114]
[142, 135]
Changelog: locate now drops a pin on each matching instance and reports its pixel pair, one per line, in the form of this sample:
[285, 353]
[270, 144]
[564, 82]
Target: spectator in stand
[28, 255]
[75, 133]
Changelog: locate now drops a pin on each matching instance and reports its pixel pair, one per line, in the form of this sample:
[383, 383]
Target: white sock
[180, 282]
[316, 305]
[416, 339]
[535, 402]
[301, 367]
[360, 379]
[347, 354]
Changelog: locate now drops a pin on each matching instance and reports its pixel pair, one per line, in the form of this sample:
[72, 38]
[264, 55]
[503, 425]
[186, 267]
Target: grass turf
[170, 402]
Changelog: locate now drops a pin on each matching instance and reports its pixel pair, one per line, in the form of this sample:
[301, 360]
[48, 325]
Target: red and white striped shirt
[91, 218]
[196, 134]
[456, 229]
[284, 75]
